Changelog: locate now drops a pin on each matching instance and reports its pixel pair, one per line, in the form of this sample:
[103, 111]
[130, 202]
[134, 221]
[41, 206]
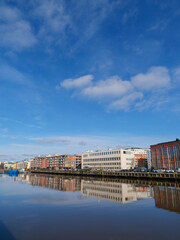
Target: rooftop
[177, 140]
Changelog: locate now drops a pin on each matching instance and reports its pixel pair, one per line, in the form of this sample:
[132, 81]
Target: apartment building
[36, 162]
[72, 161]
[166, 155]
[108, 160]
[56, 161]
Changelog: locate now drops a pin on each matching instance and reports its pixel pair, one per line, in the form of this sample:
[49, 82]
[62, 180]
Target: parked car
[169, 171]
[143, 169]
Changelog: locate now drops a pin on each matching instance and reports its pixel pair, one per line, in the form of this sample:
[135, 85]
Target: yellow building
[29, 165]
[14, 166]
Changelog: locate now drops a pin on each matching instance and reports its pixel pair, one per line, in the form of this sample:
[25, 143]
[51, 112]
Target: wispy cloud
[52, 140]
[18, 122]
[15, 32]
[4, 130]
[176, 75]
[58, 24]
[27, 91]
[11, 74]
[130, 14]
[53, 17]
[71, 145]
[160, 25]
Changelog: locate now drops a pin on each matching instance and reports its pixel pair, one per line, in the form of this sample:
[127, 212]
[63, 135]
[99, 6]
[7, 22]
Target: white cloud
[15, 32]
[138, 93]
[112, 87]
[156, 78]
[125, 102]
[77, 82]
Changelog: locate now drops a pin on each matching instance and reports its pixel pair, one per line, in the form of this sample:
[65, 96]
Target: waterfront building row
[162, 156]
[21, 165]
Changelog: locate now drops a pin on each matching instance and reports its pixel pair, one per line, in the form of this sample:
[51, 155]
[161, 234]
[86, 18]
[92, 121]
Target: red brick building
[166, 155]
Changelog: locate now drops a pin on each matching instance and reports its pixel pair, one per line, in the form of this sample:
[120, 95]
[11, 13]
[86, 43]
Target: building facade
[108, 160]
[14, 166]
[166, 155]
[72, 161]
[56, 162]
[141, 157]
[22, 165]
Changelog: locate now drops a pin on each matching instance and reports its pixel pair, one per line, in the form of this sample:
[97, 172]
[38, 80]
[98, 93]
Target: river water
[60, 207]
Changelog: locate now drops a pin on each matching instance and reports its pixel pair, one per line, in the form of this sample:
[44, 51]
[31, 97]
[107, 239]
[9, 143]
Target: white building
[22, 165]
[108, 160]
[111, 191]
[142, 153]
[7, 165]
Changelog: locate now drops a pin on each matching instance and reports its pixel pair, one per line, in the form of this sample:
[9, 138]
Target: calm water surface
[53, 207]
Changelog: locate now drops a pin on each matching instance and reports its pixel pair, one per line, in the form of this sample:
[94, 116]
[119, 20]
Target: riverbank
[127, 175]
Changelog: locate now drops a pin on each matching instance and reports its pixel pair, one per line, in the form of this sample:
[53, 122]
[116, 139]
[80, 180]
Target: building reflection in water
[167, 198]
[55, 182]
[112, 190]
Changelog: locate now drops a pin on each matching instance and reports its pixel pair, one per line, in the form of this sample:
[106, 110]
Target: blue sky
[87, 74]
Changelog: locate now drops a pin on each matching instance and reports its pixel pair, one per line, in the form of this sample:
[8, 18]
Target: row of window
[97, 164]
[105, 153]
[101, 159]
